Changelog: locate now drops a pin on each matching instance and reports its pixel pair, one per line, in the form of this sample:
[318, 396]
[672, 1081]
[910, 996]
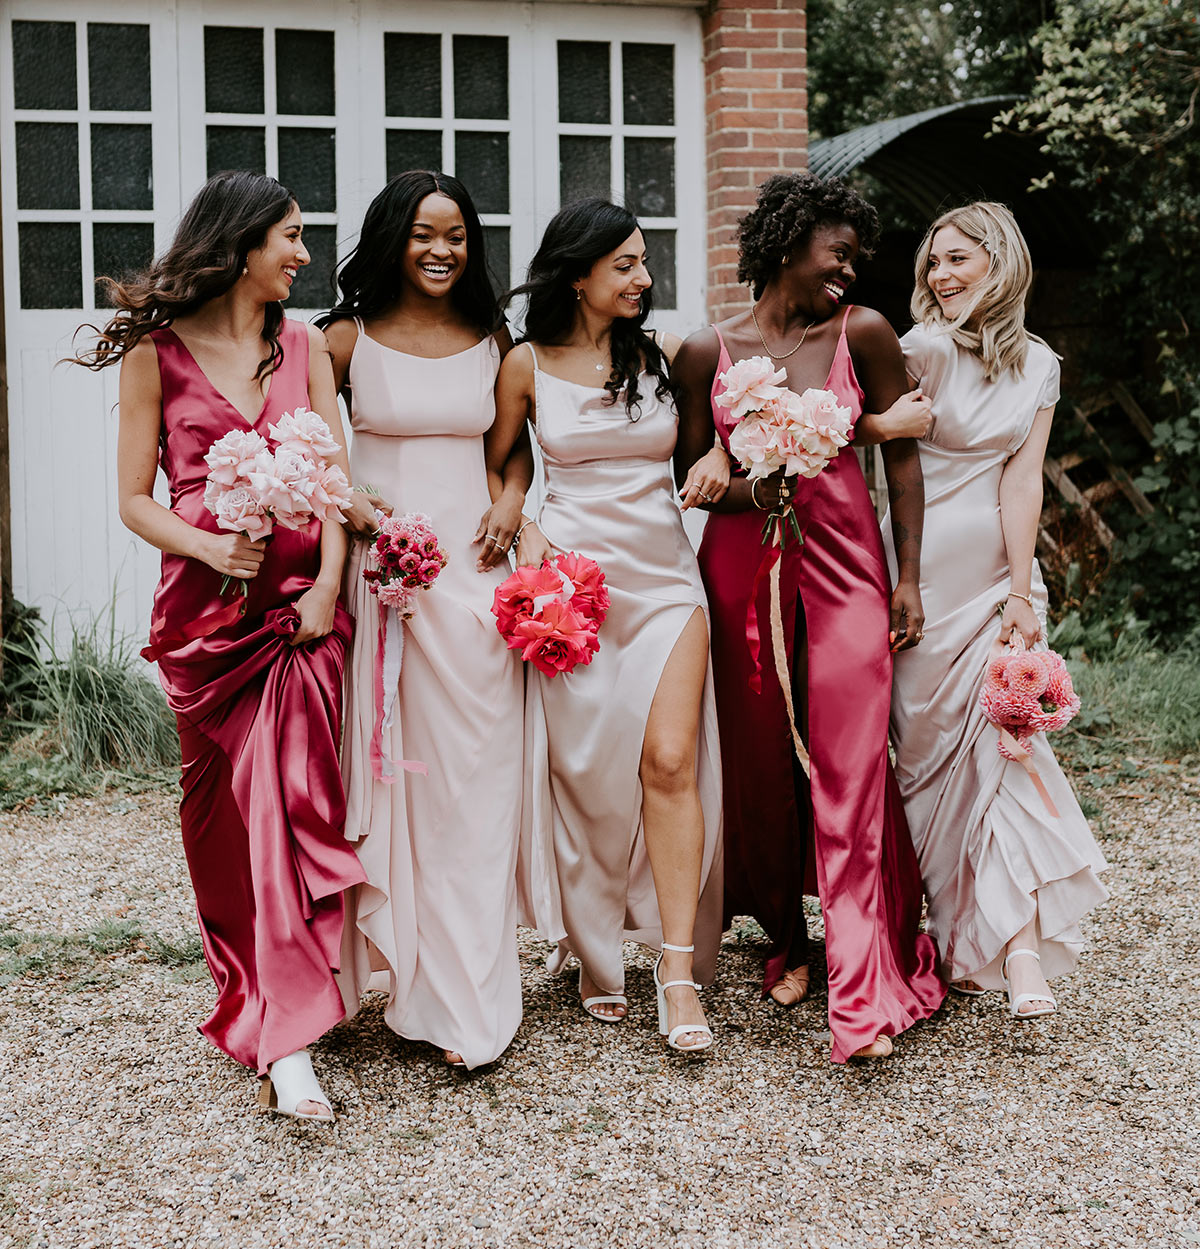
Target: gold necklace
[761, 339]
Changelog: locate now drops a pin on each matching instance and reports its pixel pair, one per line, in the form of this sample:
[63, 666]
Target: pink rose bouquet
[553, 614]
[778, 430]
[251, 489]
[405, 559]
[1027, 692]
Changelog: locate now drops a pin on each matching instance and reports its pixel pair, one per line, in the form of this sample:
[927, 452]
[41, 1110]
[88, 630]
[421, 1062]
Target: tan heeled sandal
[792, 988]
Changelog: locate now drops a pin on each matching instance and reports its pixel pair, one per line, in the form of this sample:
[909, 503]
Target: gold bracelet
[753, 500]
[1023, 597]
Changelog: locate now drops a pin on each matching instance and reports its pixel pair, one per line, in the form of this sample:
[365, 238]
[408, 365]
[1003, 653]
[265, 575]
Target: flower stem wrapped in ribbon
[553, 614]
[1027, 692]
[779, 431]
[403, 560]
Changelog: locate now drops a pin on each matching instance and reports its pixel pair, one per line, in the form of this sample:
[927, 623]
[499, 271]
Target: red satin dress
[845, 832]
[262, 812]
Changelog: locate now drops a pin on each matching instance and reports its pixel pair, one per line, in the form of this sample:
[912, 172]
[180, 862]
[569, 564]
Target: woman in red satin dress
[204, 348]
[844, 831]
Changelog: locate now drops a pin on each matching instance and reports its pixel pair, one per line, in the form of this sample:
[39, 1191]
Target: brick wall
[755, 81]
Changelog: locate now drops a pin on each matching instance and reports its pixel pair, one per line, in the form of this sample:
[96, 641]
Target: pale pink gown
[439, 851]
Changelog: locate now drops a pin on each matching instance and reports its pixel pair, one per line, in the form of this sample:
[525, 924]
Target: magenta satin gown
[262, 812]
[882, 970]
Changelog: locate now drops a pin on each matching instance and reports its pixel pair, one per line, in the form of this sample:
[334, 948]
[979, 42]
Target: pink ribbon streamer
[382, 767]
[1020, 755]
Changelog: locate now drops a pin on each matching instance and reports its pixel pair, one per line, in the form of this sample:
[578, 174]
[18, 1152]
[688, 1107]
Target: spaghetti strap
[846, 320]
[534, 355]
[724, 349]
[358, 325]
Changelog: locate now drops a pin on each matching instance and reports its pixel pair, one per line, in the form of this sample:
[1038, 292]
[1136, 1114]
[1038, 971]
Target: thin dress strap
[358, 324]
[534, 355]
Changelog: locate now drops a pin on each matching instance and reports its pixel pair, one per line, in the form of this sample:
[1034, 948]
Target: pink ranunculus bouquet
[553, 614]
[251, 489]
[404, 560]
[1027, 692]
[778, 430]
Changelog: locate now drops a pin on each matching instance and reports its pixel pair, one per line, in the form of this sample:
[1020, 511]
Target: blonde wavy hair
[992, 325]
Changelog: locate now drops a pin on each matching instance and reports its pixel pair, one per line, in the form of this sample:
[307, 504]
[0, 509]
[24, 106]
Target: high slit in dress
[585, 875]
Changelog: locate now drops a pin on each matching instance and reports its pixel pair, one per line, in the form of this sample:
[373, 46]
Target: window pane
[118, 66]
[499, 257]
[650, 177]
[237, 147]
[306, 167]
[233, 69]
[584, 167]
[584, 89]
[44, 67]
[648, 80]
[47, 166]
[481, 161]
[412, 75]
[660, 260]
[118, 252]
[413, 149]
[312, 287]
[122, 167]
[49, 260]
[304, 72]
[480, 76]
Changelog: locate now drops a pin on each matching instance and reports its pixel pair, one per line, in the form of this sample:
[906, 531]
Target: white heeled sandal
[601, 999]
[664, 1029]
[291, 1081]
[1015, 1003]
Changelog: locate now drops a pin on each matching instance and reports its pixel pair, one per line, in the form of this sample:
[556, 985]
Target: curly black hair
[789, 207]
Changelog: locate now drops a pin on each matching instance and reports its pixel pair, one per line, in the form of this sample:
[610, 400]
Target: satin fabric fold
[262, 810]
[843, 832]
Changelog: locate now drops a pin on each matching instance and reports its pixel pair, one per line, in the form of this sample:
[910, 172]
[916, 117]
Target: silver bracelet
[517, 539]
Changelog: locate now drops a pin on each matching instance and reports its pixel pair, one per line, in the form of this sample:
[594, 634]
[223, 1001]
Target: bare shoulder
[503, 340]
[139, 369]
[338, 337]
[868, 328]
[668, 344]
[318, 343]
[697, 356]
[516, 369]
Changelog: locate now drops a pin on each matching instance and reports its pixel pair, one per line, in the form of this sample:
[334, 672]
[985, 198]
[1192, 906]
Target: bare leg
[671, 813]
[1025, 974]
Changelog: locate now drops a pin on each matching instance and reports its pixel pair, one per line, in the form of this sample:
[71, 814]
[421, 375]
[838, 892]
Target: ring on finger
[489, 538]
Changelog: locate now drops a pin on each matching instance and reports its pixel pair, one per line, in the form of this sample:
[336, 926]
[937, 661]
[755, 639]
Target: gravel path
[120, 1127]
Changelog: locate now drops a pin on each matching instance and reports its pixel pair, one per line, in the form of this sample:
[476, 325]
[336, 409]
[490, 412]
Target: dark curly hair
[230, 216]
[789, 207]
[579, 235]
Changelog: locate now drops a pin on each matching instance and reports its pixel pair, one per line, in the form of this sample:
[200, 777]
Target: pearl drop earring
[578, 295]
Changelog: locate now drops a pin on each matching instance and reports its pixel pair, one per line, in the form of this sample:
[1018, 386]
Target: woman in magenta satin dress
[844, 831]
[204, 349]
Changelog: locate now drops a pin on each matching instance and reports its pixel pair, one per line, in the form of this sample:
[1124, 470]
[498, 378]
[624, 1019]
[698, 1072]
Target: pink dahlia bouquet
[404, 560]
[778, 430]
[251, 489]
[553, 614]
[1027, 692]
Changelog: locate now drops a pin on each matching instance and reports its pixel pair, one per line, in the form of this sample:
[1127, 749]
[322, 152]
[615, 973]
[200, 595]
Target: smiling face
[436, 255]
[956, 263]
[272, 268]
[616, 283]
[822, 270]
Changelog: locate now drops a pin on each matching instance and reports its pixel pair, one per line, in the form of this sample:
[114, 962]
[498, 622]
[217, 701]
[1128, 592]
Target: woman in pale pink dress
[416, 349]
[1007, 882]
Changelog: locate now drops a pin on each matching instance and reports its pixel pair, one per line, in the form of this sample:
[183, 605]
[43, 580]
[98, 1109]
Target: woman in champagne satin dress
[1007, 882]
[842, 834]
[416, 347]
[255, 683]
[621, 830]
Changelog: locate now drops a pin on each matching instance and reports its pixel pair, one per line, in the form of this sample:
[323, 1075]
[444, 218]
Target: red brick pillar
[755, 87]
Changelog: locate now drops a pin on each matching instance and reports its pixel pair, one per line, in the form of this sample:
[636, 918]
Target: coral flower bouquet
[778, 430]
[1027, 692]
[251, 488]
[553, 614]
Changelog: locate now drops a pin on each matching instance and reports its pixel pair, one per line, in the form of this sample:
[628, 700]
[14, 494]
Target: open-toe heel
[664, 1019]
[1015, 1003]
[291, 1081]
[602, 999]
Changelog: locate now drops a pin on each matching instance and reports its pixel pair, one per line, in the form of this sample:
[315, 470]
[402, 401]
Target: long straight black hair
[577, 236]
[230, 216]
[369, 279]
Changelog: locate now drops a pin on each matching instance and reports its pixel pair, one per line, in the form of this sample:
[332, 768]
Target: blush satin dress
[987, 844]
[835, 596]
[262, 811]
[439, 850]
[585, 875]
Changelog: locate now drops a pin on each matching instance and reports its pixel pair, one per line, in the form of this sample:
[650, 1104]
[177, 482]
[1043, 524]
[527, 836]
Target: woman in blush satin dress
[846, 828]
[255, 684]
[416, 345]
[1007, 882]
[621, 829]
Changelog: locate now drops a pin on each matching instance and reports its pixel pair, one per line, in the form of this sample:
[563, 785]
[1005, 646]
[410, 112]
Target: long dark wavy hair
[789, 207]
[369, 279]
[230, 216]
[578, 236]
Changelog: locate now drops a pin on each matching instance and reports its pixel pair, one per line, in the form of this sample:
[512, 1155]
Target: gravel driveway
[120, 1127]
